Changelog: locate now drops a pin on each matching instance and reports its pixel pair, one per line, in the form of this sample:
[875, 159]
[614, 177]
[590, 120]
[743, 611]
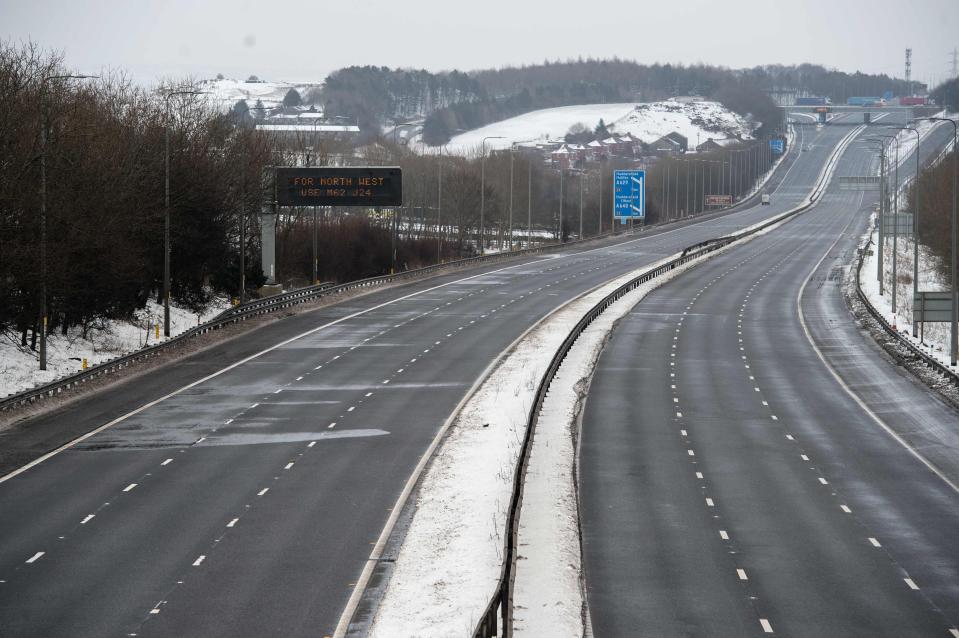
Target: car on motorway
[765, 199]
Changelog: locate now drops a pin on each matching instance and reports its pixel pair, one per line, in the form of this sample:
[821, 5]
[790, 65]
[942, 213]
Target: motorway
[238, 491]
[733, 484]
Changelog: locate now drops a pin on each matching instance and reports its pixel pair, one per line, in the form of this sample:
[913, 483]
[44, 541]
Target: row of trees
[82, 164]
[934, 188]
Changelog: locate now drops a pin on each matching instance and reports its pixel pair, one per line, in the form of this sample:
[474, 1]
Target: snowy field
[648, 122]
[19, 367]
[227, 92]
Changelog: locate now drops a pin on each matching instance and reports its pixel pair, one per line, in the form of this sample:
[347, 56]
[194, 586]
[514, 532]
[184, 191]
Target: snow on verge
[19, 367]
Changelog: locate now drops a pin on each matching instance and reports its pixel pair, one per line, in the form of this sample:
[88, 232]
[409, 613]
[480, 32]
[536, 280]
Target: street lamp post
[882, 234]
[512, 148]
[954, 332]
[483, 191]
[915, 228]
[581, 204]
[529, 203]
[882, 207]
[439, 206]
[43, 210]
[166, 209]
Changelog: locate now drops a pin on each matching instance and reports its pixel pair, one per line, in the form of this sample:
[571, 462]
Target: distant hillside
[453, 102]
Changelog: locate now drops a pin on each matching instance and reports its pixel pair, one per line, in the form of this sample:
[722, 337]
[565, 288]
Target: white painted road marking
[723, 535]
[87, 519]
[129, 487]
[766, 626]
[199, 561]
[232, 523]
[846, 509]
[263, 491]
[167, 462]
[875, 542]
[911, 584]
[35, 557]
[742, 574]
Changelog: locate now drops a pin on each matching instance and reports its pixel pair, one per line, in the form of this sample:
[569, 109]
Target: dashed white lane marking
[200, 440]
[386, 381]
[790, 437]
[87, 519]
[682, 433]
[35, 557]
[338, 356]
[699, 475]
[253, 406]
[312, 443]
[317, 367]
[129, 487]
[263, 491]
[233, 522]
[804, 457]
[954, 633]
[199, 561]
[846, 509]
[723, 534]
[288, 465]
[774, 417]
[351, 408]
[167, 462]
[691, 452]
[331, 425]
[299, 378]
[874, 542]
[228, 422]
[911, 584]
[278, 391]
[155, 610]
[767, 628]
[675, 400]
[709, 502]
[369, 394]
[823, 481]
[742, 574]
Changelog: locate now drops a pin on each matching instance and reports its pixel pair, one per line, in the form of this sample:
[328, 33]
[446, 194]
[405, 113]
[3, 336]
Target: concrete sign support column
[268, 242]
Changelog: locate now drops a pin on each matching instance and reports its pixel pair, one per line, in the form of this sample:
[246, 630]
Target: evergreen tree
[292, 98]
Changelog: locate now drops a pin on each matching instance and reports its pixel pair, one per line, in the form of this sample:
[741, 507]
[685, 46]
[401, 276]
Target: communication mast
[909, 71]
[955, 63]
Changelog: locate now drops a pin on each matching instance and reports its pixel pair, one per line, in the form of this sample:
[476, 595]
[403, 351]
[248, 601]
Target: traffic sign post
[629, 194]
[777, 146]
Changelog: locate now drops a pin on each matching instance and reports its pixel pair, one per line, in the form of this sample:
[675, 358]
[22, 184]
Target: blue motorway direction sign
[776, 146]
[629, 194]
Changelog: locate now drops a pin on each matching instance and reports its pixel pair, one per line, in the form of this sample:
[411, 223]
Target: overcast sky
[306, 39]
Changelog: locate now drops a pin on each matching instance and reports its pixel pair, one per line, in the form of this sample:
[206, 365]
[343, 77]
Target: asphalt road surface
[733, 485]
[237, 492]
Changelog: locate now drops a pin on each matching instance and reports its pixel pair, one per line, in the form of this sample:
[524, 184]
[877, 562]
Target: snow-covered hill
[697, 120]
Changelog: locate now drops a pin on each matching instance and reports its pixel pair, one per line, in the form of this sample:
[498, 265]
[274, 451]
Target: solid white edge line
[855, 397]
